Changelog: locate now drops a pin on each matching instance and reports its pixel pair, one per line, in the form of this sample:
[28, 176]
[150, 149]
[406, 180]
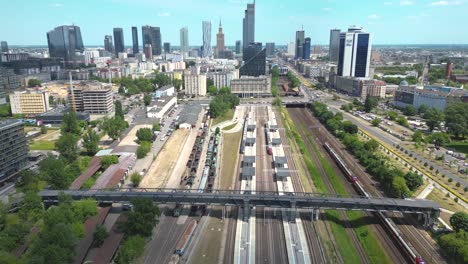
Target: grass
[230, 127]
[345, 245]
[458, 146]
[445, 202]
[227, 116]
[229, 155]
[42, 145]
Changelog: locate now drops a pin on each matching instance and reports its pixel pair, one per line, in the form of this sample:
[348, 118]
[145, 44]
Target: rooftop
[190, 114]
[248, 171]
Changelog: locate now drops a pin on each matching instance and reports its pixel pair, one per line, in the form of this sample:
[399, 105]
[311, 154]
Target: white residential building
[195, 84]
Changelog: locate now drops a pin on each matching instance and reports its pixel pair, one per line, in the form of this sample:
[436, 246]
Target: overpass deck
[263, 199]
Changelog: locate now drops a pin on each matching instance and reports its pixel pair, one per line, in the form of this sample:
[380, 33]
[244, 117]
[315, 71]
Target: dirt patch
[229, 156]
[164, 164]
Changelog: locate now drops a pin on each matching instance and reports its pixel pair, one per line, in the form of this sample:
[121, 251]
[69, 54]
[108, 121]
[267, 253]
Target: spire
[220, 25]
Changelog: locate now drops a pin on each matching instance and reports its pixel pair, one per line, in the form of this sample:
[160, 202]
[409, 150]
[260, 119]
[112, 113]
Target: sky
[26, 22]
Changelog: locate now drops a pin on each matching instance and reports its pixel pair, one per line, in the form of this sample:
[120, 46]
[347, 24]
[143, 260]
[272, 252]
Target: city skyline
[380, 17]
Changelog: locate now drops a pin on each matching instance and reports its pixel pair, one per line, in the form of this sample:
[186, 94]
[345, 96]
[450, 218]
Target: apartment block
[29, 103]
[13, 148]
[92, 98]
[195, 84]
[251, 86]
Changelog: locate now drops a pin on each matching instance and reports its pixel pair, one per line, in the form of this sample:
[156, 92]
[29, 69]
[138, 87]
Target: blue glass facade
[64, 42]
[306, 49]
[341, 55]
[361, 55]
[118, 40]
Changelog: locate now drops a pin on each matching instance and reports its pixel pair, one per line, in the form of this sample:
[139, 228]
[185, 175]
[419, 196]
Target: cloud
[164, 14]
[446, 3]
[57, 5]
[373, 16]
[327, 9]
[406, 3]
[388, 3]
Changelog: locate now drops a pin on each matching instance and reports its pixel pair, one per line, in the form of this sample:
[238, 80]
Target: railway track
[270, 240]
[419, 239]
[313, 239]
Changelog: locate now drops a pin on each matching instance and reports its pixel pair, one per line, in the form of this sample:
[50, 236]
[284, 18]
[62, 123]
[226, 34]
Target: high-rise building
[254, 61]
[64, 42]
[152, 35]
[334, 47]
[220, 41]
[167, 47]
[270, 48]
[184, 41]
[14, 148]
[249, 25]
[9, 79]
[2, 94]
[148, 50]
[354, 53]
[93, 99]
[299, 54]
[195, 84]
[108, 44]
[291, 49]
[4, 46]
[136, 48]
[238, 46]
[306, 49]
[119, 40]
[207, 51]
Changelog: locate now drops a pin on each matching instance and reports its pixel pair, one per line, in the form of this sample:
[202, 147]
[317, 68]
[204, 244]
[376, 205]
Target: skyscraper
[207, 51]
[152, 35]
[299, 54]
[306, 49]
[64, 42]
[354, 53]
[167, 47]
[248, 24]
[184, 41]
[119, 40]
[254, 61]
[220, 40]
[334, 47]
[238, 46]
[270, 48]
[136, 48]
[4, 45]
[108, 44]
[148, 50]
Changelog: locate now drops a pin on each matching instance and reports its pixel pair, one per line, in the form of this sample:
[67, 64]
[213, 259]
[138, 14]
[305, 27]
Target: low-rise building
[161, 106]
[248, 86]
[29, 103]
[55, 116]
[93, 98]
[167, 90]
[189, 116]
[13, 148]
[9, 79]
[195, 84]
[372, 88]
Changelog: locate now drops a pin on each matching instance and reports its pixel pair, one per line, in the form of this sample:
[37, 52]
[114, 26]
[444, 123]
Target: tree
[147, 99]
[392, 115]
[456, 119]
[99, 235]
[402, 121]
[161, 80]
[277, 101]
[399, 188]
[370, 104]
[212, 90]
[376, 122]
[119, 110]
[455, 245]
[217, 131]
[417, 137]
[144, 134]
[409, 110]
[114, 126]
[5, 110]
[143, 149]
[177, 84]
[413, 180]
[439, 138]
[274, 71]
[67, 146]
[156, 127]
[423, 109]
[136, 179]
[34, 82]
[43, 129]
[31, 206]
[459, 221]
[433, 118]
[3, 215]
[349, 127]
[106, 161]
[70, 123]
[142, 219]
[91, 142]
[132, 248]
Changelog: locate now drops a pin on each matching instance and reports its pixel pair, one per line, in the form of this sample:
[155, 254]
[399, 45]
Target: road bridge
[314, 201]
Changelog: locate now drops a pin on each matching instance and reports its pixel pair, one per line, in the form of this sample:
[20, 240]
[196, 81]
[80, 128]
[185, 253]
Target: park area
[46, 141]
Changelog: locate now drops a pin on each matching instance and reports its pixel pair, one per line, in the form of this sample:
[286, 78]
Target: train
[186, 238]
[389, 225]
